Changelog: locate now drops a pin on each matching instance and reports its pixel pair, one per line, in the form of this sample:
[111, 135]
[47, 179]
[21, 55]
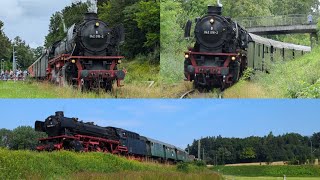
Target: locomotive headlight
[119, 61]
[233, 58]
[73, 61]
[97, 24]
[211, 21]
[186, 55]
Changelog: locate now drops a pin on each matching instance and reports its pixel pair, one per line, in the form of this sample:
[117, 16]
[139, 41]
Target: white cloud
[35, 45]
[29, 19]
[10, 10]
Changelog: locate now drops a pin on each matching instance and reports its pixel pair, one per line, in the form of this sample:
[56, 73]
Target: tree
[6, 47]
[38, 51]
[247, 154]
[141, 22]
[24, 53]
[71, 14]
[148, 19]
[25, 137]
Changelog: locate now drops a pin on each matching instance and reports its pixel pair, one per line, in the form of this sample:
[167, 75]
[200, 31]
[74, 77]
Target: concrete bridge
[289, 24]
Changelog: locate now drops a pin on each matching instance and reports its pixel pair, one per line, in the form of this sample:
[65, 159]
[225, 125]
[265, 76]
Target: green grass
[269, 171]
[299, 78]
[269, 178]
[71, 165]
[33, 89]
[138, 78]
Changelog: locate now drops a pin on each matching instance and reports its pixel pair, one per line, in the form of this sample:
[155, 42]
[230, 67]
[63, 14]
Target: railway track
[186, 94]
[201, 94]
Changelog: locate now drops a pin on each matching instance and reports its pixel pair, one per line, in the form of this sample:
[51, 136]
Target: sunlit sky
[177, 122]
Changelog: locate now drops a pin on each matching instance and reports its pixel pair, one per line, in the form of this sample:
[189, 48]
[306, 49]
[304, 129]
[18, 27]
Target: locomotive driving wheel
[76, 146]
[69, 72]
[108, 86]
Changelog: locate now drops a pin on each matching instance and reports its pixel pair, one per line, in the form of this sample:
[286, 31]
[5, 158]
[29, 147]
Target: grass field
[269, 178]
[136, 85]
[70, 165]
[269, 171]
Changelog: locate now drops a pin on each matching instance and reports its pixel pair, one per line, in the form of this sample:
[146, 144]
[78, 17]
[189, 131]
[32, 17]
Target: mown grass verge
[298, 78]
[71, 165]
[270, 171]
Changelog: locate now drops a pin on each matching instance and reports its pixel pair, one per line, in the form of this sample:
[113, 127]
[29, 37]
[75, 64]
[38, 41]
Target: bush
[247, 74]
[183, 167]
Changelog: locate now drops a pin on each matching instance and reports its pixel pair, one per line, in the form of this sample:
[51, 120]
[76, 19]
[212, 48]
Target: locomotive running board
[66, 57]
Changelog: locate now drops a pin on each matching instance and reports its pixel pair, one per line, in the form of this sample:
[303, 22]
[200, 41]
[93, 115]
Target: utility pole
[203, 154]
[2, 65]
[13, 61]
[311, 152]
[199, 150]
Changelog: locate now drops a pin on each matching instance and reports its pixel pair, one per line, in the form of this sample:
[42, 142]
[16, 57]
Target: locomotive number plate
[96, 36]
[211, 32]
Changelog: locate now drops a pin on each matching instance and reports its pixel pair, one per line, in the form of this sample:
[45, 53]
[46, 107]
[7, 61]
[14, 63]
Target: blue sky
[29, 19]
[176, 122]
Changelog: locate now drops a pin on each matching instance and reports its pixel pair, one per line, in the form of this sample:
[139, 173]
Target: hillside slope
[70, 165]
[299, 78]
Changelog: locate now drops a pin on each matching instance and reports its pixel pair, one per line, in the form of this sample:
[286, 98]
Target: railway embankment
[71, 165]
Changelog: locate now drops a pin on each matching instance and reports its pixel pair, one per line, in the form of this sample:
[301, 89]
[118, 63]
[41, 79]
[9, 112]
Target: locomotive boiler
[219, 53]
[87, 57]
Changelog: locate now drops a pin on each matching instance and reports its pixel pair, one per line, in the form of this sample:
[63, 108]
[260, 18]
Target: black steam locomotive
[87, 57]
[219, 54]
[72, 134]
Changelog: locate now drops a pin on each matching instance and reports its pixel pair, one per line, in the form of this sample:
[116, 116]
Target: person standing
[25, 73]
[2, 75]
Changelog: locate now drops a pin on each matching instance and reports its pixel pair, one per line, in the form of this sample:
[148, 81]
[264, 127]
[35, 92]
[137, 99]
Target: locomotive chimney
[214, 10]
[60, 114]
[90, 16]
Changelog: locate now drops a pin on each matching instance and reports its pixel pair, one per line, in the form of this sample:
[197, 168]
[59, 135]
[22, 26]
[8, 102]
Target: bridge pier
[312, 37]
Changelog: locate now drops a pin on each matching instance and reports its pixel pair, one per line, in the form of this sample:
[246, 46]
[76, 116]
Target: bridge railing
[285, 20]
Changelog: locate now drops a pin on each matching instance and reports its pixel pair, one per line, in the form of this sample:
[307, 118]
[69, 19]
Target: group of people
[17, 75]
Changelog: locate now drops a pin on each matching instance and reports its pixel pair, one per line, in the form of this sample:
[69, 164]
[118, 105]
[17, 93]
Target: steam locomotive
[72, 134]
[223, 50]
[219, 55]
[87, 58]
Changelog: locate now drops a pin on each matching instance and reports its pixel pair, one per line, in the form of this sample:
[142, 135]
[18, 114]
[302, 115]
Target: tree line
[175, 13]
[291, 147]
[20, 138]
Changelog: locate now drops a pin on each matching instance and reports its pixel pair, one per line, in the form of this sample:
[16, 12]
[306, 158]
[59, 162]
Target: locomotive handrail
[282, 20]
